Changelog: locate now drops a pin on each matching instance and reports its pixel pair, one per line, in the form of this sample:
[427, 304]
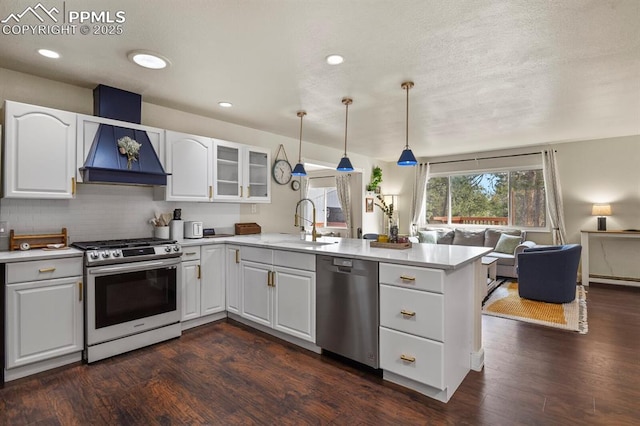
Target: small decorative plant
[386, 209]
[376, 178]
[130, 148]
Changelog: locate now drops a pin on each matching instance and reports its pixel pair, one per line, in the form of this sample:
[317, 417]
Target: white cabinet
[233, 256]
[189, 161]
[426, 327]
[203, 281]
[212, 296]
[278, 291]
[241, 173]
[40, 152]
[44, 314]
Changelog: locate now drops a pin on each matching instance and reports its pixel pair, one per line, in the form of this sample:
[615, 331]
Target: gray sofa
[505, 249]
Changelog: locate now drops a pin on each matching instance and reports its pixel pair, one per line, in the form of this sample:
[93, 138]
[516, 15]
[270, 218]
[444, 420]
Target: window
[503, 198]
[328, 211]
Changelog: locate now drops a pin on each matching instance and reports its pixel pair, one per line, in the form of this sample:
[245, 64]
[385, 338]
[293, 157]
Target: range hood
[119, 154]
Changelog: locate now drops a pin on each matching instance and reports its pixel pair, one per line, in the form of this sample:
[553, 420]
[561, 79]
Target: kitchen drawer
[259, 255]
[423, 359]
[412, 277]
[291, 259]
[423, 311]
[43, 269]
[190, 253]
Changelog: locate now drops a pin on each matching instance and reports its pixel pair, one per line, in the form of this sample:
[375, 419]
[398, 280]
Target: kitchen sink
[308, 243]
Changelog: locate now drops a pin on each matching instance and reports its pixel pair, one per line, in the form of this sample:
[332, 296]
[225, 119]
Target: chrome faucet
[314, 233]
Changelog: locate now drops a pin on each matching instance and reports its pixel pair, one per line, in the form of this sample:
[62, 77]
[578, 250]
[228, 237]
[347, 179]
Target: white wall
[125, 210]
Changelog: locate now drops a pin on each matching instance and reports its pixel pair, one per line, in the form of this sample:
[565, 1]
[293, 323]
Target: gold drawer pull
[43, 270]
[237, 256]
[80, 291]
[407, 278]
[190, 253]
[210, 191]
[407, 358]
[199, 272]
[408, 313]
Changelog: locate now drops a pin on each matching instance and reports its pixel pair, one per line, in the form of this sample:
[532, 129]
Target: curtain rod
[487, 158]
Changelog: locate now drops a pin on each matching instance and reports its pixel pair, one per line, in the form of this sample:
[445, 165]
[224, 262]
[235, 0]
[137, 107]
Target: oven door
[131, 298]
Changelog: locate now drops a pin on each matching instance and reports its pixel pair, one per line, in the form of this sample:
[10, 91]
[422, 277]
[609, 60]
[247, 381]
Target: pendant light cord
[301, 114]
[346, 102]
[407, 121]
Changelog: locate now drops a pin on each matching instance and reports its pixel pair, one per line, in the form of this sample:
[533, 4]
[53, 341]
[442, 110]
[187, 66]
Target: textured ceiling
[488, 74]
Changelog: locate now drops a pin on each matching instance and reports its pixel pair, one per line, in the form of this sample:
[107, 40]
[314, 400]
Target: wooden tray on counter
[247, 228]
[37, 240]
[397, 246]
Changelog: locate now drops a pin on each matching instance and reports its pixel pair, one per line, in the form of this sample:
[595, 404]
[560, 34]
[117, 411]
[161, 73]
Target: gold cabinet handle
[408, 313]
[73, 186]
[241, 191]
[273, 279]
[199, 272]
[248, 191]
[190, 253]
[43, 270]
[237, 255]
[407, 278]
[210, 191]
[269, 278]
[80, 291]
[407, 358]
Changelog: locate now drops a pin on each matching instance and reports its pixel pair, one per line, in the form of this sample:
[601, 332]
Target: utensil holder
[161, 232]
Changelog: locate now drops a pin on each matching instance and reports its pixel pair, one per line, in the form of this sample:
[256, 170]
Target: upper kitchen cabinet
[189, 161]
[40, 152]
[241, 173]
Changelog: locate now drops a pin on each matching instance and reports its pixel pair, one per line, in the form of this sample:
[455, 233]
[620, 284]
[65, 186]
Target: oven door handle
[138, 266]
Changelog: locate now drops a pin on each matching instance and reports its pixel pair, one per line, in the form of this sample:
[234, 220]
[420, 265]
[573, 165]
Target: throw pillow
[430, 237]
[491, 236]
[467, 237]
[507, 243]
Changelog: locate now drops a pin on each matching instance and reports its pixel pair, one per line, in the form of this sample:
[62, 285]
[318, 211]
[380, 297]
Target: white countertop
[425, 255]
[38, 254]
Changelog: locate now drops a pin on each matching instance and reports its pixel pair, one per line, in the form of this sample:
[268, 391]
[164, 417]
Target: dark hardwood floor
[225, 373]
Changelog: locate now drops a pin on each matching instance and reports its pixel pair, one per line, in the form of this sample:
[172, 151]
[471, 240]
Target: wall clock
[295, 185]
[282, 172]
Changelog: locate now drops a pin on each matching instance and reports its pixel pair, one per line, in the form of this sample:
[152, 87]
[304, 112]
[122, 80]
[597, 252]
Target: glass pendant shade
[299, 170]
[345, 165]
[407, 158]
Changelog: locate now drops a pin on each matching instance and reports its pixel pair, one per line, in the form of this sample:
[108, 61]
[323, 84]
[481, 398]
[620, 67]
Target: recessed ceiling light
[49, 53]
[335, 59]
[147, 59]
[225, 104]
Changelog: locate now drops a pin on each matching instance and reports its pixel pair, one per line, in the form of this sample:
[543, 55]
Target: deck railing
[471, 220]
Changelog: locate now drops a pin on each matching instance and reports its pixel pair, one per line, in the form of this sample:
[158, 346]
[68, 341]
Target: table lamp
[601, 210]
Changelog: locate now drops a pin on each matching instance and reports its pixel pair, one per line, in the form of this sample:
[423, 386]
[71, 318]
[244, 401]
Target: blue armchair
[549, 274]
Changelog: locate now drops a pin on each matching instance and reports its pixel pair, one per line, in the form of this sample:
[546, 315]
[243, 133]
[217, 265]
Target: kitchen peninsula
[430, 301]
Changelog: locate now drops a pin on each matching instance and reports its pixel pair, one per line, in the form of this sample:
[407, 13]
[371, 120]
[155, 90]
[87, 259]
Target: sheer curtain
[553, 192]
[419, 196]
[344, 196]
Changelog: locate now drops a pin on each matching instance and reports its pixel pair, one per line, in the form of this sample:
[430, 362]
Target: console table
[585, 236]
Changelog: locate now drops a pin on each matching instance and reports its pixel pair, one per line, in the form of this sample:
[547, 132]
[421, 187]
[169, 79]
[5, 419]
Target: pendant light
[345, 163]
[407, 158]
[299, 170]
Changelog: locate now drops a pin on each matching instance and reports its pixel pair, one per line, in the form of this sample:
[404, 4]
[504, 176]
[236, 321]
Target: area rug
[506, 303]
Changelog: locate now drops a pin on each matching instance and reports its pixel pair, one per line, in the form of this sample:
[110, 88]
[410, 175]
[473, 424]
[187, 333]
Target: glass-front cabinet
[241, 173]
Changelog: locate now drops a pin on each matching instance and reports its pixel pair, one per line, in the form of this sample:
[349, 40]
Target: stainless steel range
[132, 294]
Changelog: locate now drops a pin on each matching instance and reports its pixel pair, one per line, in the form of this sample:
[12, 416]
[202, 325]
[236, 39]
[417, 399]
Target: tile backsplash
[107, 212]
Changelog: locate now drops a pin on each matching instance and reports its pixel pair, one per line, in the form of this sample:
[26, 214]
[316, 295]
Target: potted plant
[376, 178]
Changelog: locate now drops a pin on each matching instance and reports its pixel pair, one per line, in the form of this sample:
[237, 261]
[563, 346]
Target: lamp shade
[407, 158]
[299, 170]
[601, 210]
[345, 165]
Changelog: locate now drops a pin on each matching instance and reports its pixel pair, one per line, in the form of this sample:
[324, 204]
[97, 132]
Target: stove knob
[94, 255]
[105, 254]
[176, 248]
[117, 253]
[167, 249]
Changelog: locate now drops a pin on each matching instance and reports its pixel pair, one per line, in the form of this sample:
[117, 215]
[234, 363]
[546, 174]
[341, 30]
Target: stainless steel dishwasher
[347, 308]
